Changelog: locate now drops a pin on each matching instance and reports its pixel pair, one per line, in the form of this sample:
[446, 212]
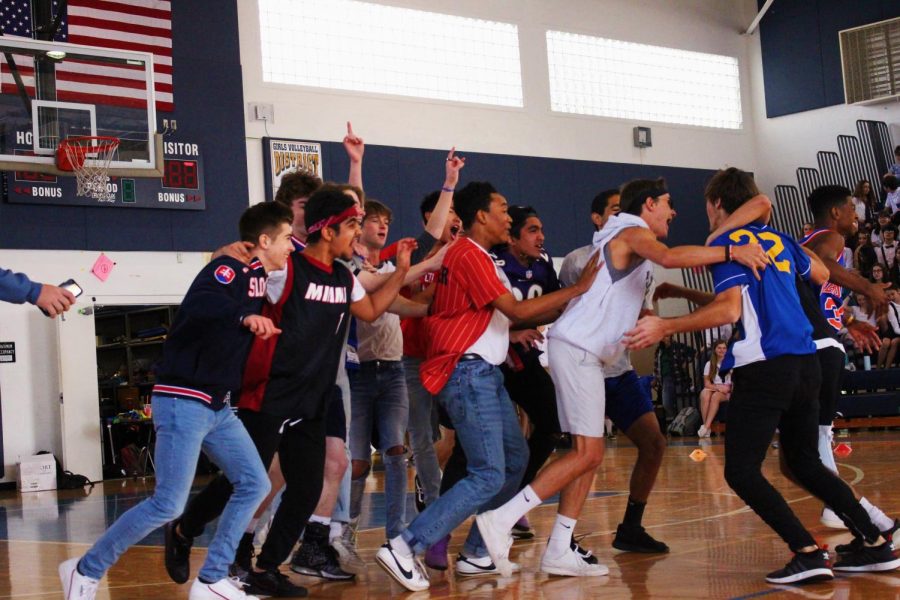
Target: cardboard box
[37, 473]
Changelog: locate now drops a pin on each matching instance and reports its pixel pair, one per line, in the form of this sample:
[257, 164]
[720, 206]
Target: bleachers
[870, 399]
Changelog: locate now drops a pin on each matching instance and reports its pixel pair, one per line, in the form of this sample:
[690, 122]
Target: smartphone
[71, 286]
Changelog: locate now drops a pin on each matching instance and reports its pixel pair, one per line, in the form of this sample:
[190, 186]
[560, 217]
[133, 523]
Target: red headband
[351, 213]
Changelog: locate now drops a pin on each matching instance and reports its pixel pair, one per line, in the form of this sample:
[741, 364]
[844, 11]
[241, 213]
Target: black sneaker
[868, 559]
[857, 543]
[272, 583]
[316, 557]
[804, 568]
[243, 557]
[178, 554]
[522, 530]
[419, 495]
[634, 538]
[586, 555]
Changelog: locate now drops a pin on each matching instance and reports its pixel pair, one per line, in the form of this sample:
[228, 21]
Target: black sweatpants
[532, 389]
[783, 393]
[301, 451]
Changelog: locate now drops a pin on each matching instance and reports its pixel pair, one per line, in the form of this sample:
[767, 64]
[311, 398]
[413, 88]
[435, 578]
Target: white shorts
[580, 388]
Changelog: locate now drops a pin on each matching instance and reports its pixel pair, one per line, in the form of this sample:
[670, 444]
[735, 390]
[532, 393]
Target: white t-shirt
[493, 345]
[381, 339]
[860, 315]
[860, 206]
[892, 201]
[886, 255]
[717, 380]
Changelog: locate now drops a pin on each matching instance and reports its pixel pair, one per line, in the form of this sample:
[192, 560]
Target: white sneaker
[227, 589]
[702, 431]
[75, 585]
[496, 541]
[831, 520]
[407, 571]
[574, 562]
[474, 567]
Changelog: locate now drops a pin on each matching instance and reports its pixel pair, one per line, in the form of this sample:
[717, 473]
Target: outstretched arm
[644, 243]
[528, 310]
[758, 208]
[374, 281]
[670, 290]
[406, 308]
[373, 305]
[828, 247]
[725, 308]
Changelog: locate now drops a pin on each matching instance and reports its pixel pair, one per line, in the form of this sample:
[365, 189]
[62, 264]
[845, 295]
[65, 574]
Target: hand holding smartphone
[57, 298]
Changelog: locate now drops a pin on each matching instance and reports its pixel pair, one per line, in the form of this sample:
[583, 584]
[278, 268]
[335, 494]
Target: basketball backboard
[53, 90]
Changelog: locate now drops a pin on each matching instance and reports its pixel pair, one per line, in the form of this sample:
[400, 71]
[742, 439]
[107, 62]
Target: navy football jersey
[530, 281]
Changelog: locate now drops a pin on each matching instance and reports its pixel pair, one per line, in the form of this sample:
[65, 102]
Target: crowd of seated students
[888, 327]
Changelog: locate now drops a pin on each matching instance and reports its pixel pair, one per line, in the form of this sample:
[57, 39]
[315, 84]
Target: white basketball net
[90, 160]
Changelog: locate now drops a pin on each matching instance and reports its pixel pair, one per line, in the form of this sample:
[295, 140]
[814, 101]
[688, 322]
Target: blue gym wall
[209, 110]
[561, 190]
[801, 53]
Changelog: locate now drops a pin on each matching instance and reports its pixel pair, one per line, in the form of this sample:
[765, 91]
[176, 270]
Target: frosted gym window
[611, 78]
[348, 45]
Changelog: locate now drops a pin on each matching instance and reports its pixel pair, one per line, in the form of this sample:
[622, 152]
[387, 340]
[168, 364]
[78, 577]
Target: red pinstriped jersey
[461, 310]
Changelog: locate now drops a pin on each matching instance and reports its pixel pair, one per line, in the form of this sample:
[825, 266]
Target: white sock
[881, 520]
[320, 519]
[561, 536]
[337, 529]
[517, 507]
[826, 454]
[401, 547]
[251, 528]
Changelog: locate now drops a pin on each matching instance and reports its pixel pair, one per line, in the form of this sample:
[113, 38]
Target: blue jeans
[183, 428]
[342, 506]
[421, 431]
[378, 399]
[486, 425]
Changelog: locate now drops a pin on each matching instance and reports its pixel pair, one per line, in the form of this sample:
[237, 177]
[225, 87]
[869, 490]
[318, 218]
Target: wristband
[446, 189]
[728, 253]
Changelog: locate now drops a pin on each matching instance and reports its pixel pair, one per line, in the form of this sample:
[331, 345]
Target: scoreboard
[180, 188]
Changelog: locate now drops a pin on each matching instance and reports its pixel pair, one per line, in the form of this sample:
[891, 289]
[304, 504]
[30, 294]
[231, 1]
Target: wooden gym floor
[719, 548]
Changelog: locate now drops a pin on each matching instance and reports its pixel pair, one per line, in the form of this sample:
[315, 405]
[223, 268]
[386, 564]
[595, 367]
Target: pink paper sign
[103, 266]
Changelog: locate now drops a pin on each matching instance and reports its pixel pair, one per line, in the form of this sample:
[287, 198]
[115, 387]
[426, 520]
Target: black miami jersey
[292, 374]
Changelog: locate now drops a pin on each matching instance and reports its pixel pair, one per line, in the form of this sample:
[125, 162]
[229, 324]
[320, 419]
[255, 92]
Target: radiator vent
[870, 58]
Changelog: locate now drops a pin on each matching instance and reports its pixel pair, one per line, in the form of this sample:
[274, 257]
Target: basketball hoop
[89, 158]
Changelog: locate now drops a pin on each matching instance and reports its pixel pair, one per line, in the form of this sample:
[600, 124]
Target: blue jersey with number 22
[772, 320]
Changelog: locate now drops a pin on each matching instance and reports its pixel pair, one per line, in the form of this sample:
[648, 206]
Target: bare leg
[713, 408]
[892, 353]
[651, 446]
[883, 352]
[335, 464]
[584, 458]
[704, 403]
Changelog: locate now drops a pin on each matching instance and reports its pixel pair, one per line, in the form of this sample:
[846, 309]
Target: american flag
[140, 25]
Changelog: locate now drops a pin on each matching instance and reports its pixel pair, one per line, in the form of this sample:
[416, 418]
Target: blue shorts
[627, 400]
